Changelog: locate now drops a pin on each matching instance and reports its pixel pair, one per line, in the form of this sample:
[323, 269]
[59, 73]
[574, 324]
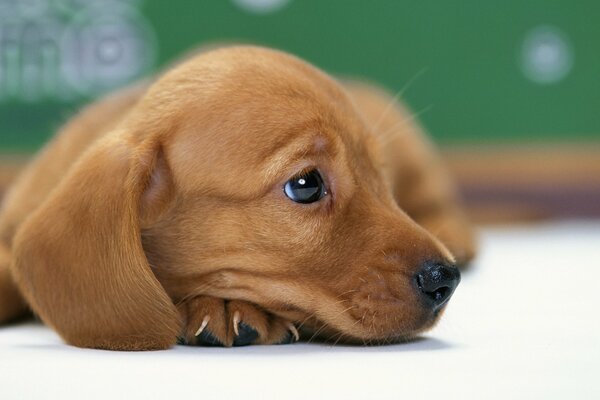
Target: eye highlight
[305, 188]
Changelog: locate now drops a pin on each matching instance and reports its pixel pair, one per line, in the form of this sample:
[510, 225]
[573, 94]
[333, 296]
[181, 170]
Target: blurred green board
[485, 71]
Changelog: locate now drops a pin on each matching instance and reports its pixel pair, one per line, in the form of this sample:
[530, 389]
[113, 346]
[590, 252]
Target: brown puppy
[240, 195]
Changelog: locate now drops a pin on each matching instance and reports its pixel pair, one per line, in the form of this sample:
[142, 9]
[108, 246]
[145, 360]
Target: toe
[287, 338]
[246, 335]
[205, 322]
[282, 332]
[206, 338]
[248, 323]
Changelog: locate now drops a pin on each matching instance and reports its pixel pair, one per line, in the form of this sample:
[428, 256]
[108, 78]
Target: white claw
[236, 321]
[203, 325]
[294, 331]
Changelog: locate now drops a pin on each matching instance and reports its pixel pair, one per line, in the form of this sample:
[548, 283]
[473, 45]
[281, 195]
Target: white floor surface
[523, 324]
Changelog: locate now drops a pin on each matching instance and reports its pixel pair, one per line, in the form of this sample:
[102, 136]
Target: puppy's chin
[379, 329]
[362, 317]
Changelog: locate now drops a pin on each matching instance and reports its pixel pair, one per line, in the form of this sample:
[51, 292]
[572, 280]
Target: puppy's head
[280, 198]
[242, 173]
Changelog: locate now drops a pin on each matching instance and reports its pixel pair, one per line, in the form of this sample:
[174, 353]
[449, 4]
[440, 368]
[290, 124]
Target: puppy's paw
[210, 321]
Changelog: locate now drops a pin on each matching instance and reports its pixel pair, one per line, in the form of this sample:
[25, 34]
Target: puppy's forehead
[243, 72]
[249, 109]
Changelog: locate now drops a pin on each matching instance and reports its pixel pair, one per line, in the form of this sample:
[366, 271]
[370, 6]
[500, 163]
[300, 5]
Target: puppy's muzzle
[435, 284]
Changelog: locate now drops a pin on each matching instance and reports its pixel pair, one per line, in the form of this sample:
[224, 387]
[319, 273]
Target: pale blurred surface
[522, 325]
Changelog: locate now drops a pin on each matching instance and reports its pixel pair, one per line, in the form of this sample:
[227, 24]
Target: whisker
[301, 324]
[398, 94]
[341, 301]
[317, 332]
[389, 135]
[349, 291]
[342, 334]
[325, 324]
[335, 335]
[198, 291]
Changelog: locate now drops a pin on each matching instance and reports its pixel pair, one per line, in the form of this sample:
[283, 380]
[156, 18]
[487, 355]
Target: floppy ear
[79, 260]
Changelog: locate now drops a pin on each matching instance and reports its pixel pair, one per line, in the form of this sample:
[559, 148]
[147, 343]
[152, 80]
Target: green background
[465, 58]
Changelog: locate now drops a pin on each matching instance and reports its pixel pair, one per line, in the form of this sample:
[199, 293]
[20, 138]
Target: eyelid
[304, 171]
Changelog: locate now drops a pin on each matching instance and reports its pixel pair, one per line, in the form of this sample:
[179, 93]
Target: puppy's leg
[12, 304]
[210, 321]
[419, 180]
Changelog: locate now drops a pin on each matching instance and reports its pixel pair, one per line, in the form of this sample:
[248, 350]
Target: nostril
[440, 294]
[437, 294]
[436, 283]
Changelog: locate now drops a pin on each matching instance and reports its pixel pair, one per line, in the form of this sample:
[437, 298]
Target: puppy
[242, 195]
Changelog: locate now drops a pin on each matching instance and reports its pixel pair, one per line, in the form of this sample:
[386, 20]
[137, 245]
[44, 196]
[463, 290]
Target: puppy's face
[278, 195]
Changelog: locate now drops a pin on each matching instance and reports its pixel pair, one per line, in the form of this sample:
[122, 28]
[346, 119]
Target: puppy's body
[158, 212]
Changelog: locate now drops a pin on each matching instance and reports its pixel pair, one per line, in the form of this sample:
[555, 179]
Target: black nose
[436, 283]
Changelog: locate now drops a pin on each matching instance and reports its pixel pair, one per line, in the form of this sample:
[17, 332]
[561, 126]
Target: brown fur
[162, 204]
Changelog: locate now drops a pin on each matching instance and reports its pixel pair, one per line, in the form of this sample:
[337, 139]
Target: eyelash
[304, 171]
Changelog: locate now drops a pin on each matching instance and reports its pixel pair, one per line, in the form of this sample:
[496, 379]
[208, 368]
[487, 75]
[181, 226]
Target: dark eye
[305, 188]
